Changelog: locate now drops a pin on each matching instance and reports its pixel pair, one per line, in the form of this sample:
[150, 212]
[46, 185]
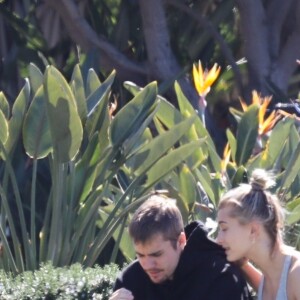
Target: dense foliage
[51, 283]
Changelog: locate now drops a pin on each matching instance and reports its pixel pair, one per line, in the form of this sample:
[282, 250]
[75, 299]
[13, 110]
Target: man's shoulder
[131, 277]
[133, 268]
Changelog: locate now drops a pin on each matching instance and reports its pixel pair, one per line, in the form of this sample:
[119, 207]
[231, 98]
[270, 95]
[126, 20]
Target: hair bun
[261, 180]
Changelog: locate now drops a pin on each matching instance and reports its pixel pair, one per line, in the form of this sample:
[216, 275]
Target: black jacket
[202, 274]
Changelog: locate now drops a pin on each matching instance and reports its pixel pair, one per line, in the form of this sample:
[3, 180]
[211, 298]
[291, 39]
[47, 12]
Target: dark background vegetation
[255, 42]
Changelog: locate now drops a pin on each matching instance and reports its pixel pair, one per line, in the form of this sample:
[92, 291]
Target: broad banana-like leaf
[292, 170]
[130, 117]
[204, 177]
[36, 132]
[186, 107]
[150, 153]
[290, 147]
[247, 133]
[168, 114]
[273, 148]
[4, 106]
[188, 187]
[98, 104]
[133, 88]
[85, 170]
[239, 177]
[94, 99]
[92, 82]
[167, 163]
[213, 159]
[196, 131]
[3, 128]
[16, 121]
[293, 215]
[294, 188]
[36, 77]
[64, 121]
[125, 244]
[232, 143]
[77, 86]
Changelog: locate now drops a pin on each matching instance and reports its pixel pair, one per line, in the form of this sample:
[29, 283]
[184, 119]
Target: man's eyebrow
[150, 254]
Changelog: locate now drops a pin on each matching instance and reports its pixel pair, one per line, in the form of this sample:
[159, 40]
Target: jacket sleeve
[118, 283]
[133, 278]
[229, 286]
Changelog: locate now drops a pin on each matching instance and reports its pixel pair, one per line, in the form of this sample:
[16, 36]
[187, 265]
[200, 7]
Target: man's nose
[148, 263]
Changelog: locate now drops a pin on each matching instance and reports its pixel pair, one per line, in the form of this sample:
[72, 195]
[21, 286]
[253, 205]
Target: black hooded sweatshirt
[202, 273]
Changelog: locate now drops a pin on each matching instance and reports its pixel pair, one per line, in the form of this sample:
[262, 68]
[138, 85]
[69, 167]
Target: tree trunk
[270, 32]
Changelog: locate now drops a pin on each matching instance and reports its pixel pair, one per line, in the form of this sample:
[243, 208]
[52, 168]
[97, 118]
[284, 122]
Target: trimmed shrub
[49, 283]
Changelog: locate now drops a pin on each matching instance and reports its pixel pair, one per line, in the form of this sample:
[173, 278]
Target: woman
[250, 222]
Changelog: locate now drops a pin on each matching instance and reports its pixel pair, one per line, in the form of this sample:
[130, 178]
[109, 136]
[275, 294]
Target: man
[173, 262]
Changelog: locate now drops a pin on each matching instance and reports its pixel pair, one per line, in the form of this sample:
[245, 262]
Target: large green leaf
[247, 133]
[4, 106]
[232, 143]
[152, 151]
[273, 149]
[203, 176]
[92, 82]
[36, 77]
[130, 117]
[293, 214]
[187, 109]
[98, 103]
[64, 121]
[36, 133]
[16, 120]
[292, 169]
[167, 163]
[3, 128]
[188, 186]
[78, 90]
[168, 114]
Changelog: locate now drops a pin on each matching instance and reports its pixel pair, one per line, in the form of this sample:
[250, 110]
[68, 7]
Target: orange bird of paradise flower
[204, 79]
[265, 125]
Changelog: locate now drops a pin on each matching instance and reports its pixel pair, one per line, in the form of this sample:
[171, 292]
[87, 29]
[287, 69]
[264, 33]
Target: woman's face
[236, 238]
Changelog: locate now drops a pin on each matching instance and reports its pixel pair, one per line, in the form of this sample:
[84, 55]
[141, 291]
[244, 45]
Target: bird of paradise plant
[226, 157]
[265, 124]
[203, 80]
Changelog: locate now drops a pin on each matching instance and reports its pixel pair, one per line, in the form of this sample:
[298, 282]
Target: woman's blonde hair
[254, 201]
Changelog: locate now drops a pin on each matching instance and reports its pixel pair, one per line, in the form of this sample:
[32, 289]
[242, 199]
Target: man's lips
[153, 273]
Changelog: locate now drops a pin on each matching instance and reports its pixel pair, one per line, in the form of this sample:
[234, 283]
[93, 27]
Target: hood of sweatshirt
[201, 254]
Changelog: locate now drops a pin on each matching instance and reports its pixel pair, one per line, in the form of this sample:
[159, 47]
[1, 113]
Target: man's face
[158, 257]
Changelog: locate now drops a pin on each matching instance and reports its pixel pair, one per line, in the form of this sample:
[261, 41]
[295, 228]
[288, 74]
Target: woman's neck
[269, 260]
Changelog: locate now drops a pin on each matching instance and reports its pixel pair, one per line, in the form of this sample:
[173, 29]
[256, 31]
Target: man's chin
[160, 281]
[157, 280]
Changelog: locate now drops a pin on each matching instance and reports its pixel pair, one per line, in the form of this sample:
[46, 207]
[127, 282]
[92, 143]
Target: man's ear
[182, 240]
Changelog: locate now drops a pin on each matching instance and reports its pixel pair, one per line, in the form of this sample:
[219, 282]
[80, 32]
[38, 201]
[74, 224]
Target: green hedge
[48, 282]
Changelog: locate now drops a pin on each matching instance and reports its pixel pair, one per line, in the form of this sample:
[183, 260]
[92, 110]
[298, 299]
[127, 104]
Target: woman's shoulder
[294, 275]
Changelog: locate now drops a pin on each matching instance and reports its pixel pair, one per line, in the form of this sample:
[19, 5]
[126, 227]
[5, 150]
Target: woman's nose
[219, 238]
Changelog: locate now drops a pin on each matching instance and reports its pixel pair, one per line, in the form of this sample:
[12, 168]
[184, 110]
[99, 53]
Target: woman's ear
[254, 231]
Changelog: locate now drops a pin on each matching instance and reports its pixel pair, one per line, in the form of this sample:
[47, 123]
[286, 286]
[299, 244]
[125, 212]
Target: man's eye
[156, 254]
